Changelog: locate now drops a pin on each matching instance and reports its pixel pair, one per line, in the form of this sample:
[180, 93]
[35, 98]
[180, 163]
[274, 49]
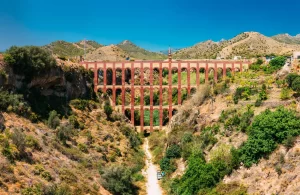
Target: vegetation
[267, 131]
[29, 60]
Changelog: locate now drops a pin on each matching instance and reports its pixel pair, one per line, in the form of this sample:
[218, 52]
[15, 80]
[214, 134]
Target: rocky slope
[248, 44]
[286, 38]
[107, 53]
[139, 53]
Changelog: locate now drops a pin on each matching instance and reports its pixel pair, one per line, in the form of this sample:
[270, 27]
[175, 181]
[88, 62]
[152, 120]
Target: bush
[33, 143]
[28, 60]
[296, 85]
[65, 133]
[53, 120]
[173, 151]
[108, 110]
[258, 102]
[267, 130]
[290, 78]
[278, 62]
[118, 180]
[167, 165]
[284, 94]
[83, 148]
[73, 121]
[83, 104]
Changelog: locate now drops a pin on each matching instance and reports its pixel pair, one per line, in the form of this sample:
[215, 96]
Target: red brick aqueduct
[126, 70]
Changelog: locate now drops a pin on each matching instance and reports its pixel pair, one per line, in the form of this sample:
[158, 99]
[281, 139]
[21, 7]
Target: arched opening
[165, 75]
[174, 76]
[220, 74]
[109, 76]
[100, 77]
[146, 117]
[137, 76]
[184, 94]
[165, 96]
[184, 79]
[119, 76]
[175, 96]
[156, 77]
[128, 113]
[137, 97]
[165, 117]
[202, 75]
[155, 117]
[174, 111]
[127, 76]
[193, 76]
[146, 97]
[147, 76]
[156, 97]
[137, 117]
[118, 96]
[109, 92]
[228, 72]
[127, 96]
[211, 75]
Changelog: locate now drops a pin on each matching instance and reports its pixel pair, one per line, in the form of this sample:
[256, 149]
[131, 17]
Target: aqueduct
[137, 77]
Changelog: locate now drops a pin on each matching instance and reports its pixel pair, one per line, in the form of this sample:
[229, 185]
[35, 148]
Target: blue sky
[154, 24]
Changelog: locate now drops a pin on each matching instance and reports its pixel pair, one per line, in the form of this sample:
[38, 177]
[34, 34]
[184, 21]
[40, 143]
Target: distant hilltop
[245, 45]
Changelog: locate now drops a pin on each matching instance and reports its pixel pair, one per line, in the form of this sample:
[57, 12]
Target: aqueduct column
[224, 71]
[179, 84]
[104, 78]
[160, 96]
[95, 77]
[206, 73]
[197, 75]
[142, 97]
[132, 94]
[189, 79]
[114, 85]
[123, 88]
[151, 97]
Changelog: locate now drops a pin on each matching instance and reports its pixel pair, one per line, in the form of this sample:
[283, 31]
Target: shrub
[53, 120]
[167, 165]
[83, 148]
[33, 143]
[258, 102]
[118, 180]
[278, 62]
[108, 110]
[173, 151]
[290, 78]
[65, 133]
[28, 60]
[18, 139]
[187, 137]
[267, 130]
[296, 85]
[73, 121]
[284, 94]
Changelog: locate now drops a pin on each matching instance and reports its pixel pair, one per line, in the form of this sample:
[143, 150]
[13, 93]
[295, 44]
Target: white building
[296, 55]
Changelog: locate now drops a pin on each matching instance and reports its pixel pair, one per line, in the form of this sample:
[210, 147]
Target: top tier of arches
[166, 64]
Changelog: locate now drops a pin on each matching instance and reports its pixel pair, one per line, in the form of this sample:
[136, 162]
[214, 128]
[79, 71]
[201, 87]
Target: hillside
[245, 141]
[57, 136]
[248, 45]
[286, 38]
[67, 49]
[139, 53]
[107, 53]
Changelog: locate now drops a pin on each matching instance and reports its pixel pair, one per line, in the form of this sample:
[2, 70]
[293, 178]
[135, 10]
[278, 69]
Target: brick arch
[131, 84]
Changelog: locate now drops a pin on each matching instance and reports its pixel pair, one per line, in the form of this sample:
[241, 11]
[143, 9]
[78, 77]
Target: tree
[278, 62]
[28, 60]
[53, 120]
[118, 180]
[108, 109]
[296, 85]
[290, 78]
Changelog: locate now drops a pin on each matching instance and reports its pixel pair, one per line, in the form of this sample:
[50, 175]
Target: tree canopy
[28, 60]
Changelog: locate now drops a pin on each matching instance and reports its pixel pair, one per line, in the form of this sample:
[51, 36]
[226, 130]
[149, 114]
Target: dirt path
[152, 185]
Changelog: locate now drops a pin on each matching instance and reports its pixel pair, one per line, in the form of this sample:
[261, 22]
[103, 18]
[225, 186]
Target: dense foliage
[267, 130]
[29, 60]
